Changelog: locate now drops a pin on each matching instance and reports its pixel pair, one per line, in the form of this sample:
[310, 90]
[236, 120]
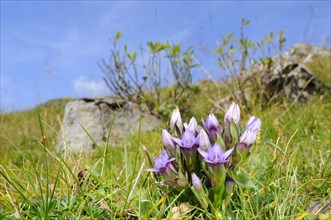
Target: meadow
[290, 166]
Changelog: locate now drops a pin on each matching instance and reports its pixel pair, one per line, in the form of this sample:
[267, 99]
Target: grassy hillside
[290, 164]
[21, 130]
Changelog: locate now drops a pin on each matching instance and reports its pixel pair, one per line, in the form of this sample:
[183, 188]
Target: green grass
[321, 67]
[290, 164]
[21, 131]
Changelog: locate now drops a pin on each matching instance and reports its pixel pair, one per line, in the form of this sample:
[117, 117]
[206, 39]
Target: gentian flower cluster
[203, 159]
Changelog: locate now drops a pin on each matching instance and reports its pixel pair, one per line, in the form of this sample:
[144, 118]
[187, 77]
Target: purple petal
[185, 126]
[248, 137]
[188, 139]
[227, 153]
[254, 124]
[159, 162]
[203, 153]
[153, 170]
[217, 149]
[204, 123]
[209, 161]
[177, 140]
[212, 125]
[168, 142]
[162, 159]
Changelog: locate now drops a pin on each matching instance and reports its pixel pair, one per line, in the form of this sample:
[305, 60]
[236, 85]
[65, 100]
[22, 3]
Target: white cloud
[89, 88]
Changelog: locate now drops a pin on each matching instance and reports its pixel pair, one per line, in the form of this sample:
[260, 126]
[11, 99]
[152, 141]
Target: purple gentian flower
[212, 125]
[176, 120]
[216, 158]
[233, 113]
[248, 137]
[188, 140]
[188, 145]
[168, 143]
[215, 155]
[163, 164]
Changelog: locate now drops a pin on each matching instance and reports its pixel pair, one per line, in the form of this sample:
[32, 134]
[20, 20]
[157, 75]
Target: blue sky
[50, 49]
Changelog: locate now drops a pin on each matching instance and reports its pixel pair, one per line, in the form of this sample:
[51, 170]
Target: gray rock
[95, 116]
[295, 81]
[287, 77]
[304, 53]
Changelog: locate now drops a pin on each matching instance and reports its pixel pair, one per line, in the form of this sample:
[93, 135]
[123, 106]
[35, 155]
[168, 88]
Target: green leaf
[166, 46]
[158, 47]
[220, 50]
[219, 188]
[251, 44]
[234, 131]
[228, 38]
[261, 45]
[175, 50]
[237, 41]
[51, 206]
[281, 32]
[268, 62]
[232, 49]
[219, 63]
[266, 38]
[195, 65]
[118, 35]
[242, 179]
[151, 46]
[129, 56]
[244, 22]
[220, 140]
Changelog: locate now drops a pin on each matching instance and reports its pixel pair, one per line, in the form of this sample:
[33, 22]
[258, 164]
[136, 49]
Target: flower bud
[229, 184]
[200, 191]
[196, 182]
[233, 113]
[168, 143]
[192, 126]
[212, 126]
[176, 120]
[248, 137]
[254, 124]
[204, 142]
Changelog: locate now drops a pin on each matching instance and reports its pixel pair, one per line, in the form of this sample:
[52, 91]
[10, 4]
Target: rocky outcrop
[289, 76]
[303, 53]
[294, 81]
[283, 76]
[94, 117]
